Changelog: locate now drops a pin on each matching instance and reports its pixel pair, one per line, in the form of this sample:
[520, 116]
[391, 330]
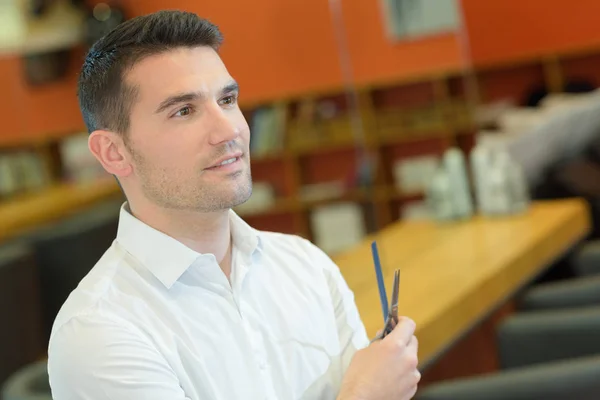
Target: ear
[109, 149]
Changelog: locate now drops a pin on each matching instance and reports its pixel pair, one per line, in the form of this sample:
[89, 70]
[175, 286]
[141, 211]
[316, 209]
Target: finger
[403, 332]
[417, 376]
[412, 393]
[412, 350]
[413, 386]
[410, 383]
[413, 344]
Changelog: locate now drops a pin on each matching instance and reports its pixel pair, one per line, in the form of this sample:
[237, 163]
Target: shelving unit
[61, 28]
[401, 120]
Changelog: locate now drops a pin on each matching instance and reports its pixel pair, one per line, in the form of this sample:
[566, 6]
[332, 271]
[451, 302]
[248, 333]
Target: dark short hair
[105, 99]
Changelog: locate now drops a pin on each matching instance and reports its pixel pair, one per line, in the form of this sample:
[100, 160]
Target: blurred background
[412, 121]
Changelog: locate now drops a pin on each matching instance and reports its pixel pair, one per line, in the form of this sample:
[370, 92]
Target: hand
[387, 369]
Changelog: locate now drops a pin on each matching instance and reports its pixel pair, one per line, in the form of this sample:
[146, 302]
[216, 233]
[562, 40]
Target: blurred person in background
[190, 302]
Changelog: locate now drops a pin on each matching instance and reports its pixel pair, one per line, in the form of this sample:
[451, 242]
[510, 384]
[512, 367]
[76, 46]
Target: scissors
[390, 314]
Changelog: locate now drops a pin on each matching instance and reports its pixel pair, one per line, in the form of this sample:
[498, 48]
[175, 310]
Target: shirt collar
[165, 257]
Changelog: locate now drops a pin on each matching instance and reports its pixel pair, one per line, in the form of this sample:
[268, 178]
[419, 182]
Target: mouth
[227, 164]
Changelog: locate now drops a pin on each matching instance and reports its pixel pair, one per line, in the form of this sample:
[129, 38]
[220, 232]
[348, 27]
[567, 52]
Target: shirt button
[262, 362]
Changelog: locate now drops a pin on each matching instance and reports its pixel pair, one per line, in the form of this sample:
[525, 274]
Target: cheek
[244, 129]
[167, 157]
[238, 120]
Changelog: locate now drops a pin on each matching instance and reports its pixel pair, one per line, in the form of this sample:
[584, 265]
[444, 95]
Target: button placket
[254, 339]
[252, 333]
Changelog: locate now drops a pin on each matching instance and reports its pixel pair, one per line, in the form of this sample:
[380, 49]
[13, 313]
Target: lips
[226, 161]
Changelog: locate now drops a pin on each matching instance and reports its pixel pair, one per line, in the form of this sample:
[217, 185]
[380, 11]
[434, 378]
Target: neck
[206, 233]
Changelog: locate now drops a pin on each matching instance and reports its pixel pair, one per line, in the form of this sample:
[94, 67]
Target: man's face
[188, 138]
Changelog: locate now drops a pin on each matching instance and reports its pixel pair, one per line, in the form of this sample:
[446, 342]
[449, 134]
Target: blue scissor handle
[380, 283]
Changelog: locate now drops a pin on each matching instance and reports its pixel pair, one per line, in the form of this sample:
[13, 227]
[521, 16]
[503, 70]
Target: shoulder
[86, 299]
[293, 245]
[293, 251]
[87, 329]
[100, 352]
[82, 341]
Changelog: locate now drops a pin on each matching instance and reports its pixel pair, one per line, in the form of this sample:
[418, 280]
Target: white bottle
[481, 160]
[517, 182]
[8, 178]
[455, 166]
[499, 188]
[439, 198]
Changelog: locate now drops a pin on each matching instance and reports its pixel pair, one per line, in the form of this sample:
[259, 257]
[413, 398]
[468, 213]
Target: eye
[228, 100]
[183, 112]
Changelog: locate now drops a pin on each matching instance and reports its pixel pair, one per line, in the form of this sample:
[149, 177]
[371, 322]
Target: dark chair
[20, 317]
[553, 354]
[576, 379]
[586, 260]
[66, 251]
[570, 293]
[28, 383]
[580, 290]
[530, 338]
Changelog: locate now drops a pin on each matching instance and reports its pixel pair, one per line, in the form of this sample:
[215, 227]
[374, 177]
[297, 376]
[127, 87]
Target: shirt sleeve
[96, 358]
[351, 331]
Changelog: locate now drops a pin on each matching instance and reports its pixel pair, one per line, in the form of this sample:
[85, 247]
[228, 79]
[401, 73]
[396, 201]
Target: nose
[224, 126]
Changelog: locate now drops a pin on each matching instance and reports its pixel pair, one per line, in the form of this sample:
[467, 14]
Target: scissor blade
[392, 318]
[395, 293]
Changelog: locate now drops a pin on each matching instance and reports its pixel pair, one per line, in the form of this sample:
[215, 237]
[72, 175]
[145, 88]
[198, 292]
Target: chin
[242, 195]
[233, 195]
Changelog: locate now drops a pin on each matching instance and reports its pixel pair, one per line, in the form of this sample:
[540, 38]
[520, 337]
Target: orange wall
[276, 47]
[376, 58]
[271, 46]
[508, 29]
[280, 47]
[48, 110]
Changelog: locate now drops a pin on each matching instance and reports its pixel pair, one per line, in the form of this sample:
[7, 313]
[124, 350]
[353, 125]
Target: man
[190, 302]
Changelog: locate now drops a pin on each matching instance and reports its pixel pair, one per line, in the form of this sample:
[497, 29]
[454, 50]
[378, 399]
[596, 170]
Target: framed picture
[412, 19]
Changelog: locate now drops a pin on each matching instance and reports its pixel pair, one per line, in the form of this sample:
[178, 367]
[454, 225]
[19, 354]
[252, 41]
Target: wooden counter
[25, 212]
[454, 275]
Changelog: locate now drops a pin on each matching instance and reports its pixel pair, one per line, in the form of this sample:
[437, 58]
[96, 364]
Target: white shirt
[155, 320]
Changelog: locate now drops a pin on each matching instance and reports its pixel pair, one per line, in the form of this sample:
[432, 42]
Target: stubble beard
[177, 193]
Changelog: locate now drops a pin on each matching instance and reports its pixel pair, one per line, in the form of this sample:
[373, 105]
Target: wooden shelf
[415, 136]
[396, 194]
[24, 212]
[9, 141]
[380, 195]
[328, 146]
[266, 158]
[353, 195]
[280, 206]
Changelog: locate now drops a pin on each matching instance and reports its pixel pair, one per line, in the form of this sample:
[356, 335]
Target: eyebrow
[193, 96]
